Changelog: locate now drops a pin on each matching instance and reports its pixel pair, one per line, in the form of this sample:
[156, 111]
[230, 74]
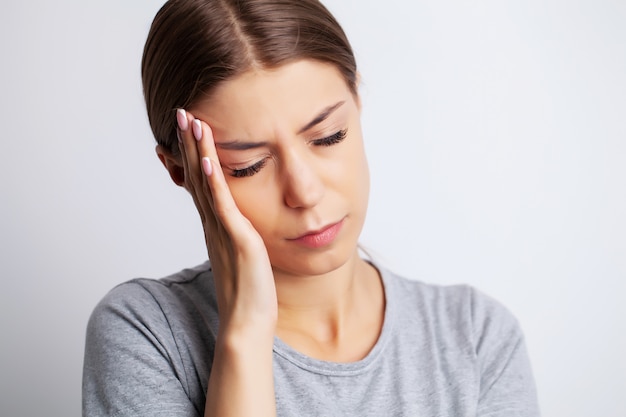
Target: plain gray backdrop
[496, 135]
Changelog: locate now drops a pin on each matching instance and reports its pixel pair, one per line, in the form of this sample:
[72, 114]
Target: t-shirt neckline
[330, 368]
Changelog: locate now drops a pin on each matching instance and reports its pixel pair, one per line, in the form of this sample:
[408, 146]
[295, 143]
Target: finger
[211, 167]
[223, 202]
[182, 132]
[188, 146]
[194, 180]
[191, 157]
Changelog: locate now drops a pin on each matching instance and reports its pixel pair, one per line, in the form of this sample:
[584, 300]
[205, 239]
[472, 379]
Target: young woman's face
[289, 142]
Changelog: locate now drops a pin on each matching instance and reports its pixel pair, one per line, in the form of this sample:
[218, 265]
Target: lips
[320, 238]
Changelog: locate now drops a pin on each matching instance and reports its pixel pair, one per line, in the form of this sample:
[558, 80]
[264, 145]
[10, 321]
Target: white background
[496, 133]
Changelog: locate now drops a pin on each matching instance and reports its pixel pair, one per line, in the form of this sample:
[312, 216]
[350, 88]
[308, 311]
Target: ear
[173, 165]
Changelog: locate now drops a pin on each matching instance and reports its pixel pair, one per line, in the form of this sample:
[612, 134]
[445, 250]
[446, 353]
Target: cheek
[358, 184]
[257, 202]
[354, 171]
[362, 180]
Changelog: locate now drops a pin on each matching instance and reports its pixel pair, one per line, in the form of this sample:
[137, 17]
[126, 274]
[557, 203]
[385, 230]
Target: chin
[313, 262]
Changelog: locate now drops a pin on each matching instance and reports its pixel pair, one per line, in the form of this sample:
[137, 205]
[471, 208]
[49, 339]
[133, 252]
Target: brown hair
[193, 45]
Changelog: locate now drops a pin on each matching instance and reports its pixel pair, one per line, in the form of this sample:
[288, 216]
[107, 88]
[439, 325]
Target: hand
[244, 281]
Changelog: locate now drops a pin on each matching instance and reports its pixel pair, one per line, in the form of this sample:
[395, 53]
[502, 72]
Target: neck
[303, 293]
[321, 315]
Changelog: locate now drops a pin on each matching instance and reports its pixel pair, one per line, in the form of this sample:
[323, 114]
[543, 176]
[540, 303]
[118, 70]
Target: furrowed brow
[321, 117]
[238, 145]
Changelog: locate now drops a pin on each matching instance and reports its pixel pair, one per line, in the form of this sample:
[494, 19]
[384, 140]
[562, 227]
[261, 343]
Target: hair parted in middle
[194, 45]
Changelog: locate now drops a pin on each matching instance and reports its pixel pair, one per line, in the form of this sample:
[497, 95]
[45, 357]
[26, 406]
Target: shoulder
[145, 292]
[153, 305]
[457, 308]
[144, 340]
[467, 329]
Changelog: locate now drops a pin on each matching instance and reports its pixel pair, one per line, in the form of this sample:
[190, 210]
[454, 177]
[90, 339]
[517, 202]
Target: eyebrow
[321, 117]
[238, 145]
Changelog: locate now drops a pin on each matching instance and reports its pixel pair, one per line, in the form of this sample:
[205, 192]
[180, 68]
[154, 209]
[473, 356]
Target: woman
[254, 105]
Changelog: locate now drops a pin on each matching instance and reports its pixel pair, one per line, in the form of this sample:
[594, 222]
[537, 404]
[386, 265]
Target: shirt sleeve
[130, 365]
[507, 387]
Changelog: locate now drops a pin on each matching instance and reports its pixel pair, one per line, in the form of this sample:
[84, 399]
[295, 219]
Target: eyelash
[249, 171]
[332, 139]
[256, 167]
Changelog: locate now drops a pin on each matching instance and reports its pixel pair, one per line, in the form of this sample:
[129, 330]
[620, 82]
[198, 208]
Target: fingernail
[206, 166]
[181, 117]
[197, 129]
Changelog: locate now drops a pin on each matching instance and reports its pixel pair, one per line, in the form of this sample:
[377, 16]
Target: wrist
[252, 335]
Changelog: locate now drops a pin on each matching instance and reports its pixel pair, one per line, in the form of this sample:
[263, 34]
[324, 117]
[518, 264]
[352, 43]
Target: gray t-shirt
[443, 351]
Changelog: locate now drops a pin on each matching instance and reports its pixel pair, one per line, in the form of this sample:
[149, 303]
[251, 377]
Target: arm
[241, 381]
[132, 365]
[507, 387]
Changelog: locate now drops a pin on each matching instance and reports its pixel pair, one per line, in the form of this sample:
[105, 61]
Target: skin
[323, 300]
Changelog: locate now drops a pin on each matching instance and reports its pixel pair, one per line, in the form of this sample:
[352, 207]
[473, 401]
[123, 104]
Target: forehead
[262, 100]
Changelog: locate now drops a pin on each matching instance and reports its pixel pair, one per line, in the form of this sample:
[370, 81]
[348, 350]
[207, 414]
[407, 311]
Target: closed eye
[332, 139]
[249, 171]
[258, 166]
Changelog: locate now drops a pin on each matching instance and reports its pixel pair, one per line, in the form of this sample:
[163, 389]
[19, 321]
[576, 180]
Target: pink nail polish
[207, 167]
[197, 130]
[181, 118]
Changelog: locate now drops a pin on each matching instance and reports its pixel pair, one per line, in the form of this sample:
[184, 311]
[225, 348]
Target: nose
[302, 185]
